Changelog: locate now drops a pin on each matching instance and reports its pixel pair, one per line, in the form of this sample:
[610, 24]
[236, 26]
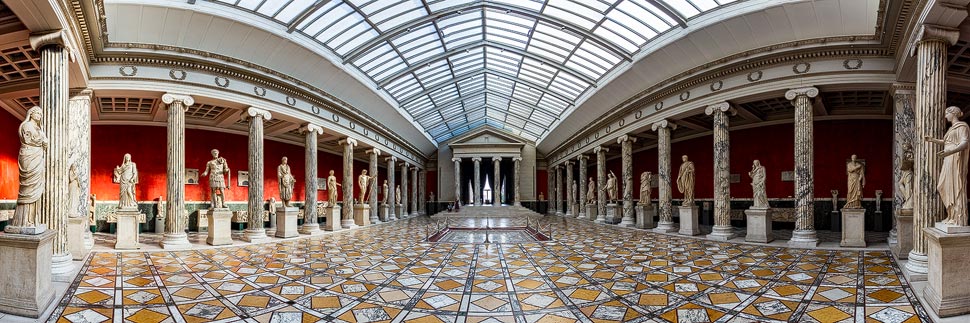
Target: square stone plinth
[128, 229]
[202, 220]
[645, 214]
[286, 226]
[904, 234]
[759, 225]
[220, 232]
[362, 214]
[25, 281]
[688, 220]
[399, 210]
[331, 216]
[77, 229]
[853, 228]
[591, 211]
[614, 213]
[385, 213]
[948, 289]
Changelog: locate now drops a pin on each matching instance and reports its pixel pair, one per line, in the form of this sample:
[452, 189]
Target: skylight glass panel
[536, 71]
[403, 87]
[314, 25]
[377, 59]
[393, 15]
[496, 100]
[444, 94]
[458, 123]
[542, 119]
[527, 94]
[438, 129]
[500, 85]
[418, 106]
[275, 9]
[574, 13]
[249, 4]
[529, 136]
[552, 104]
[499, 60]
[433, 73]
[514, 121]
[520, 109]
[495, 113]
[476, 114]
[507, 29]
[568, 86]
[535, 5]
[533, 128]
[684, 7]
[395, 65]
[475, 100]
[471, 85]
[439, 5]
[648, 13]
[451, 111]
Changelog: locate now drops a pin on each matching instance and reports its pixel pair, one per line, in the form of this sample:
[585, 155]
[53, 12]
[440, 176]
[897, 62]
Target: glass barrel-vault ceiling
[455, 65]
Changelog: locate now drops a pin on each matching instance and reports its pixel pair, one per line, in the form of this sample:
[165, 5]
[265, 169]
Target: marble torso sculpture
[906, 177]
[759, 196]
[645, 179]
[30, 162]
[397, 194]
[856, 172]
[91, 211]
[385, 191]
[611, 186]
[161, 209]
[126, 176]
[215, 169]
[591, 191]
[835, 200]
[286, 181]
[685, 181]
[272, 205]
[332, 189]
[364, 180]
[952, 183]
[542, 197]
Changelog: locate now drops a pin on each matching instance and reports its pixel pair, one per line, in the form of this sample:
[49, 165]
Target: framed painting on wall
[243, 178]
[192, 176]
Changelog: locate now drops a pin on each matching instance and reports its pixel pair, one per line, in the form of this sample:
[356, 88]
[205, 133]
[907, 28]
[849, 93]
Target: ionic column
[568, 189]
[904, 135]
[626, 151]
[80, 107]
[804, 234]
[496, 164]
[310, 132]
[559, 193]
[54, 49]
[930, 106]
[550, 189]
[457, 161]
[404, 190]
[391, 198]
[373, 153]
[478, 185]
[516, 173]
[600, 152]
[414, 190]
[255, 231]
[347, 211]
[666, 223]
[176, 221]
[422, 191]
[582, 186]
[722, 171]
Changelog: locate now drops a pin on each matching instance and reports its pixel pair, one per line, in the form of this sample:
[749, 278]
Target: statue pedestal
[399, 210]
[853, 228]
[219, 222]
[159, 224]
[836, 219]
[948, 291]
[202, 220]
[362, 214]
[759, 225]
[590, 211]
[272, 218]
[385, 212]
[331, 217]
[26, 279]
[645, 214]
[286, 222]
[77, 232]
[128, 229]
[577, 211]
[688, 220]
[613, 213]
[904, 234]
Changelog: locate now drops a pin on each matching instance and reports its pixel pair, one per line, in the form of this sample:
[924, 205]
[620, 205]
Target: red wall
[431, 185]
[9, 148]
[542, 183]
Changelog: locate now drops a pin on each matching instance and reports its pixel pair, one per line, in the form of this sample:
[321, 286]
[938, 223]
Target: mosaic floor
[589, 273]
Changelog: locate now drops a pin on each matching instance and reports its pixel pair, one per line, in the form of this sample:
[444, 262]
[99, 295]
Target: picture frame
[321, 184]
[788, 176]
[243, 178]
[192, 176]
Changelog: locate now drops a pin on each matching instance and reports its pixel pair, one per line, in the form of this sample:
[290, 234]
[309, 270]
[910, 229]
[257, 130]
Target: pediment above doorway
[487, 142]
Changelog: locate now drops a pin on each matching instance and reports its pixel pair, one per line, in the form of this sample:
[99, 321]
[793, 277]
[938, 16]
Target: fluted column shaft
[904, 126]
[414, 190]
[722, 170]
[569, 188]
[457, 161]
[664, 195]
[372, 195]
[517, 173]
[391, 196]
[626, 155]
[347, 211]
[404, 189]
[176, 221]
[804, 234]
[559, 195]
[600, 182]
[496, 185]
[256, 118]
[310, 132]
[422, 191]
[477, 193]
[583, 159]
[80, 107]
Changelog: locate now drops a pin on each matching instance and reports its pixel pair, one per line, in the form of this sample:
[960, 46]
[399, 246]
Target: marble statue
[542, 197]
[217, 183]
[645, 179]
[611, 186]
[332, 189]
[364, 180]
[91, 211]
[906, 177]
[685, 181]
[126, 176]
[286, 181]
[272, 205]
[591, 191]
[835, 200]
[856, 172]
[878, 200]
[385, 191]
[952, 183]
[397, 194]
[31, 162]
[757, 174]
[432, 197]
[574, 188]
[161, 209]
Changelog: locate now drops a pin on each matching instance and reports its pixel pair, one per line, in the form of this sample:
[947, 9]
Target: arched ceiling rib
[482, 62]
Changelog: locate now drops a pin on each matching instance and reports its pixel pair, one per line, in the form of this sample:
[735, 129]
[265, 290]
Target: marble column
[478, 184]
[177, 220]
[422, 191]
[414, 191]
[600, 152]
[904, 134]
[54, 49]
[559, 195]
[80, 107]
[722, 171]
[664, 196]
[497, 182]
[568, 189]
[373, 154]
[931, 57]
[582, 185]
[517, 174]
[310, 132]
[457, 161]
[404, 189]
[254, 230]
[626, 155]
[347, 210]
[804, 234]
[550, 189]
[391, 198]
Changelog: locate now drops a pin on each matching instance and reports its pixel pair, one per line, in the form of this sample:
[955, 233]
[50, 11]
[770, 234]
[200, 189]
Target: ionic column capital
[568, 163]
[719, 107]
[663, 124]
[599, 149]
[582, 157]
[495, 159]
[53, 38]
[623, 138]
[254, 112]
[348, 142]
[309, 128]
[476, 159]
[374, 151]
[929, 33]
[456, 159]
[392, 159]
[516, 159]
[809, 91]
[185, 99]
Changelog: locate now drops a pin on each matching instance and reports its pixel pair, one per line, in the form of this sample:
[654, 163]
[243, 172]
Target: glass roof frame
[488, 61]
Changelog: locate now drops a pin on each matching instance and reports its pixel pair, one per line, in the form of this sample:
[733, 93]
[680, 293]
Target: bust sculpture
[856, 172]
[611, 186]
[286, 181]
[645, 179]
[591, 191]
[364, 180]
[906, 177]
[31, 162]
[215, 169]
[685, 181]
[952, 183]
[759, 196]
[126, 176]
[332, 189]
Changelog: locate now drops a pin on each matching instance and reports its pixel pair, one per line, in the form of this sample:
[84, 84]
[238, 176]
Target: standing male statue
[217, 183]
[126, 175]
[645, 179]
[952, 183]
[856, 172]
[31, 162]
[685, 181]
[364, 180]
[611, 186]
[332, 189]
[757, 174]
[286, 181]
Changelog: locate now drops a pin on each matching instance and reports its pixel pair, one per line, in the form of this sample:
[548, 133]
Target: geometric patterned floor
[588, 273]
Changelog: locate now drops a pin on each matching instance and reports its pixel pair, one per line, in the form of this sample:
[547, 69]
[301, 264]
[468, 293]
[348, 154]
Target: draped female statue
[30, 163]
[952, 183]
[645, 179]
[856, 172]
[685, 181]
[757, 175]
[126, 176]
[286, 181]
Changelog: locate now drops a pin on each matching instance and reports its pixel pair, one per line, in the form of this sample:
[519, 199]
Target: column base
[853, 228]
[414, 214]
[803, 239]
[310, 228]
[759, 225]
[331, 216]
[374, 216]
[917, 265]
[254, 236]
[688, 221]
[77, 237]
[348, 224]
[948, 291]
[665, 227]
[62, 264]
[127, 234]
[286, 222]
[904, 234]
[628, 219]
[175, 241]
[721, 233]
[517, 203]
[362, 214]
[26, 282]
[219, 222]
